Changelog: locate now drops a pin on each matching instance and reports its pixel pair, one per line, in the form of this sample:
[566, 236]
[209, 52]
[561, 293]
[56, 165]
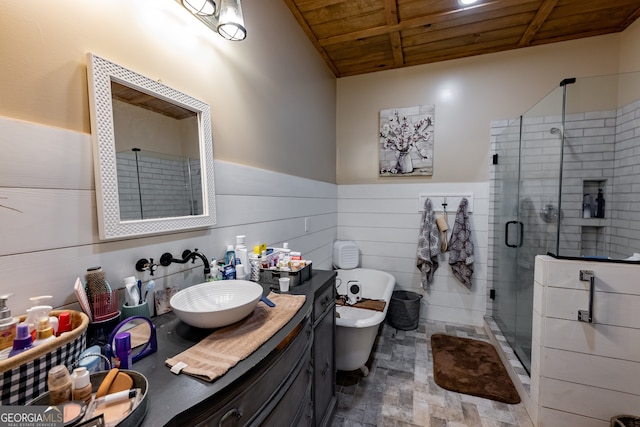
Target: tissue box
[270, 276]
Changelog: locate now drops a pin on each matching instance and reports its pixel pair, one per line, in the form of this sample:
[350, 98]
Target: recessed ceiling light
[467, 2]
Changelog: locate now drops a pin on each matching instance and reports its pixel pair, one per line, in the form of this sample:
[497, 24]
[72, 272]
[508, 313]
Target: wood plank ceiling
[363, 36]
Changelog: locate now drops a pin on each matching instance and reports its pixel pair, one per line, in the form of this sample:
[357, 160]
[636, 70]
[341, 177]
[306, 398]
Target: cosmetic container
[81, 388]
[59, 382]
[123, 350]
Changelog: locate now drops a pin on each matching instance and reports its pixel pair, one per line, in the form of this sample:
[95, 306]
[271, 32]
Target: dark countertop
[172, 399]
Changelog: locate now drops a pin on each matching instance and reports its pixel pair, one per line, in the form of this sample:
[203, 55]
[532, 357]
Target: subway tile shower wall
[163, 195]
[600, 152]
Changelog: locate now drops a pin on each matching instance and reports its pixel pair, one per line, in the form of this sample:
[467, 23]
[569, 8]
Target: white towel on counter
[461, 247]
[428, 244]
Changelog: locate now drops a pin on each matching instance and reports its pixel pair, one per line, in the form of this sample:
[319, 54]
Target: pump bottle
[7, 323]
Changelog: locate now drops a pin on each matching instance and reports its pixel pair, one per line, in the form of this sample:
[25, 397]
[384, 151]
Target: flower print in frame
[406, 141]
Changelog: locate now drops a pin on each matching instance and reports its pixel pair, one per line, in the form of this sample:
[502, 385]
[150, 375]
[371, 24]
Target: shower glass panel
[526, 209]
[565, 184]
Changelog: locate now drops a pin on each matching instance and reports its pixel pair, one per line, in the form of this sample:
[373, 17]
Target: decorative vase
[404, 163]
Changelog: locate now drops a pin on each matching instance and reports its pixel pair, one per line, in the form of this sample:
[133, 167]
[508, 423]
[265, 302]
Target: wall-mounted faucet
[143, 265]
[167, 259]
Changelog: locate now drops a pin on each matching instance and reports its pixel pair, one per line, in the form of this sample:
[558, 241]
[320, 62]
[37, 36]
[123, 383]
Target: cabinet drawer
[298, 394]
[251, 395]
[324, 301]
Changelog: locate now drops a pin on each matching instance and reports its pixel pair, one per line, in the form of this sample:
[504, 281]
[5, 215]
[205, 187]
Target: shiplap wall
[47, 174]
[583, 374]
[384, 221]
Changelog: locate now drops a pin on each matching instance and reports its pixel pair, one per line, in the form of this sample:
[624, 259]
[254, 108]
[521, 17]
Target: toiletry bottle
[7, 324]
[23, 341]
[64, 323]
[81, 388]
[241, 253]
[586, 206]
[600, 204]
[90, 359]
[240, 273]
[44, 332]
[254, 260]
[230, 257]
[59, 382]
[214, 269]
[123, 350]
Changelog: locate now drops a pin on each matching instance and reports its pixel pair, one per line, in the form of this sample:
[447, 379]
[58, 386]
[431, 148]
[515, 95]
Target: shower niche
[582, 138]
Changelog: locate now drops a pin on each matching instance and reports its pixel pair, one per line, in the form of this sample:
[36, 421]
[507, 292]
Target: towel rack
[452, 201]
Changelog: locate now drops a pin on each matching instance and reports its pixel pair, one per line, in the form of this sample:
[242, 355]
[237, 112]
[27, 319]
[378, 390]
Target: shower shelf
[593, 222]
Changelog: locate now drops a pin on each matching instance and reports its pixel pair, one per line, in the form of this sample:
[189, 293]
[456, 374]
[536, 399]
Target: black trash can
[404, 310]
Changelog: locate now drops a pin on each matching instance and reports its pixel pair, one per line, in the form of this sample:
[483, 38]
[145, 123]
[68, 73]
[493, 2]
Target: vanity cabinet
[288, 381]
[324, 361]
[274, 393]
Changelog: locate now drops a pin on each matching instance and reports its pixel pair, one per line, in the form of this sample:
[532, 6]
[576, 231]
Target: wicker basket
[625, 421]
[24, 376]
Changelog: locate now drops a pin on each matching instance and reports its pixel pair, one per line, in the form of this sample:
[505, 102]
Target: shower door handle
[520, 236]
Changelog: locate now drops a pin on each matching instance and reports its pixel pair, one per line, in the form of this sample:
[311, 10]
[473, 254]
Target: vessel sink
[216, 304]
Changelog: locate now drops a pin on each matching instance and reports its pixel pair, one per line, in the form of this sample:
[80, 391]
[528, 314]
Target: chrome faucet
[167, 259]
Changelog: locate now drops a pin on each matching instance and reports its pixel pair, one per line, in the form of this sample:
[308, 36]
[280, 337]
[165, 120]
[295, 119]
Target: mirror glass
[153, 154]
[142, 334]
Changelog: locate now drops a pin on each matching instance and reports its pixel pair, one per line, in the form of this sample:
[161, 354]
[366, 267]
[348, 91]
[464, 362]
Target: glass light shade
[200, 7]
[230, 21]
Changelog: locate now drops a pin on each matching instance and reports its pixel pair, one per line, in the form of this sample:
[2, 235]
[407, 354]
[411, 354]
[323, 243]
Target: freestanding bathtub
[356, 328]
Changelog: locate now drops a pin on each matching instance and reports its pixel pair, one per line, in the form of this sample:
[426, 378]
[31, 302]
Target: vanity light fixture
[226, 18]
[200, 7]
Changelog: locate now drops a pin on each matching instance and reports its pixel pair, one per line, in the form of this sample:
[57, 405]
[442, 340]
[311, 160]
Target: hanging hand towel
[428, 244]
[461, 247]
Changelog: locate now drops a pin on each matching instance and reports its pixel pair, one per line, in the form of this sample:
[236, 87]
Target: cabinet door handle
[235, 413]
[325, 370]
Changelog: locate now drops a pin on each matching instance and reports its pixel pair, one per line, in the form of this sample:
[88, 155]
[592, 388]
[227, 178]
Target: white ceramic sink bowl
[216, 304]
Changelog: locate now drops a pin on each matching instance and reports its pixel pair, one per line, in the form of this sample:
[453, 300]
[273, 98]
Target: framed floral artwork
[406, 141]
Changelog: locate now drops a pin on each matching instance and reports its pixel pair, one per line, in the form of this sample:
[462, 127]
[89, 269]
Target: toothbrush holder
[135, 310]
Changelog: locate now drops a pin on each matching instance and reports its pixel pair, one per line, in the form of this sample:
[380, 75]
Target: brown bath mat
[471, 367]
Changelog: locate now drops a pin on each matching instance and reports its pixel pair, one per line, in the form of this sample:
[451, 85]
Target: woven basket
[625, 421]
[24, 376]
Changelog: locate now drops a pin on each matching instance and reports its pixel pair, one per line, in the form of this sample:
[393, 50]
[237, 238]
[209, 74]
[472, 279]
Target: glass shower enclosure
[565, 181]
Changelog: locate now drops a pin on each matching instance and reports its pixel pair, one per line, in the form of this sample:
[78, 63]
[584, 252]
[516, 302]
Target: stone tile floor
[400, 390]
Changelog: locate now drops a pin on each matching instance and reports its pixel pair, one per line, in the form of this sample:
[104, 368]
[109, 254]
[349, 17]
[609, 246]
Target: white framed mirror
[153, 154]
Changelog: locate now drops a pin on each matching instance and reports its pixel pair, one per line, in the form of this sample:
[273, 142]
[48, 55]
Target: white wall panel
[54, 239]
[384, 220]
[591, 370]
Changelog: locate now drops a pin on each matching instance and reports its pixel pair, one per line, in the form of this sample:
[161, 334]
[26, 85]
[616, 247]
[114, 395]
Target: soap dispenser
[38, 311]
[44, 332]
[7, 323]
